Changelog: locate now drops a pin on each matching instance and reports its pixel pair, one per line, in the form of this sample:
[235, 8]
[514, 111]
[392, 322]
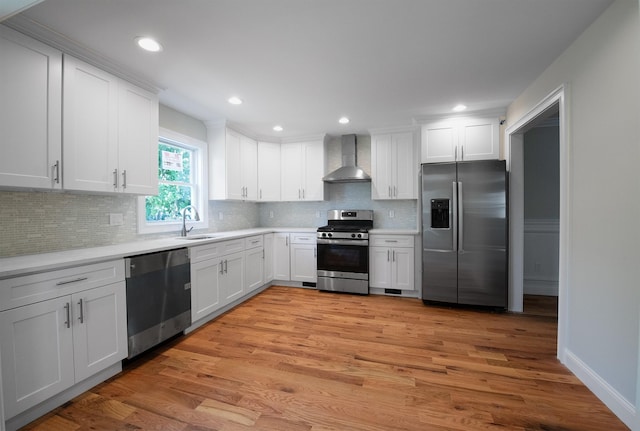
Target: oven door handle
[356, 242]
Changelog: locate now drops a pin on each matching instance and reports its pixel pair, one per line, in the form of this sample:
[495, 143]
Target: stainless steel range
[343, 251]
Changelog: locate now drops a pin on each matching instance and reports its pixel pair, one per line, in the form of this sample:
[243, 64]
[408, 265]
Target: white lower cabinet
[232, 280]
[303, 257]
[205, 287]
[217, 276]
[254, 263]
[281, 261]
[51, 345]
[268, 257]
[391, 262]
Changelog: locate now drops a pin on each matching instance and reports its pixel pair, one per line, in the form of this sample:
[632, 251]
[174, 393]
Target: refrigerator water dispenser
[439, 213]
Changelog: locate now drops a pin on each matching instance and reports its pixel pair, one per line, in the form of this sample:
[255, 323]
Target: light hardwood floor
[298, 359]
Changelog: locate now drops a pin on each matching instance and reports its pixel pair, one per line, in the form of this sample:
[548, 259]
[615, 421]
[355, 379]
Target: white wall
[602, 72]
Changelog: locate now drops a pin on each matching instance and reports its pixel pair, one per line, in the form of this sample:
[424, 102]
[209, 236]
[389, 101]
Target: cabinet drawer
[216, 249]
[28, 289]
[391, 240]
[253, 242]
[303, 238]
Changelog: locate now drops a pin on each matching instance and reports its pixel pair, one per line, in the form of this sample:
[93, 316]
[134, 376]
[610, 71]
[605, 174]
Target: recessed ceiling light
[278, 128]
[343, 120]
[148, 44]
[235, 100]
[459, 108]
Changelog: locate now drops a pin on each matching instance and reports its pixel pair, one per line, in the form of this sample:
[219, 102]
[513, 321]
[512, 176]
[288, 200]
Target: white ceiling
[305, 63]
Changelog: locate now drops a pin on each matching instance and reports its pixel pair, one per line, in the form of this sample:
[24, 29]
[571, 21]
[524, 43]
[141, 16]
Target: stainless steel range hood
[350, 172]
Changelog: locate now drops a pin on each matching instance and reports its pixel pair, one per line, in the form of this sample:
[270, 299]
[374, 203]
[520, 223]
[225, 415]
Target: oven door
[343, 258]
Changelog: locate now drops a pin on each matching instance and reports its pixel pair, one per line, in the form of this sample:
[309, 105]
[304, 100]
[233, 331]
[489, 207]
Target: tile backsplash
[41, 222]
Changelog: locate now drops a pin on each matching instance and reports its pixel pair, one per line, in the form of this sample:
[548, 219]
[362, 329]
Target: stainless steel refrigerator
[464, 233]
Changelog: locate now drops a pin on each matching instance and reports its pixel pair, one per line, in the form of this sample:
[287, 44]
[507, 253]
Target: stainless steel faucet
[184, 216]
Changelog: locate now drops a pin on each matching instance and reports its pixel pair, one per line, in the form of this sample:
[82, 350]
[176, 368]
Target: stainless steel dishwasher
[158, 298]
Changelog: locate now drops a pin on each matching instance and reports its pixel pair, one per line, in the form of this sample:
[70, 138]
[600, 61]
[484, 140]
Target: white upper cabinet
[138, 125]
[268, 172]
[393, 166]
[110, 132]
[233, 165]
[302, 169]
[461, 139]
[30, 112]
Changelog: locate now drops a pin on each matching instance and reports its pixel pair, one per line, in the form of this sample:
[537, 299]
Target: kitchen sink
[196, 237]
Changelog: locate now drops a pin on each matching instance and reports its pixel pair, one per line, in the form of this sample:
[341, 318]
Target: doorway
[553, 106]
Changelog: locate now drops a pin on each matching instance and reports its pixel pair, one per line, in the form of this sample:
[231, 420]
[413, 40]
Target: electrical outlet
[317, 214]
[116, 219]
[220, 215]
[270, 214]
[392, 214]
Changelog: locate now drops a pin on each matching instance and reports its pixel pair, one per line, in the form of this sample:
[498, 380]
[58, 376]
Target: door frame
[513, 152]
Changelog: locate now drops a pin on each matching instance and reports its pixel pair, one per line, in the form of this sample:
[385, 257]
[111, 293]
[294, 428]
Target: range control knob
[330, 235]
[324, 235]
[353, 235]
[359, 235]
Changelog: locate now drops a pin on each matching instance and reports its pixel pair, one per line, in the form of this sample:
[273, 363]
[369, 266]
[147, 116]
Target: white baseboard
[619, 405]
[540, 287]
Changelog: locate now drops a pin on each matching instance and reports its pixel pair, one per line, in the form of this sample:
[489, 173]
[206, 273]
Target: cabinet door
[380, 267]
[233, 282]
[137, 140]
[313, 186]
[31, 137]
[268, 172]
[268, 257]
[479, 140]
[381, 171]
[90, 130]
[439, 142]
[205, 287]
[254, 269]
[281, 260]
[36, 344]
[303, 263]
[404, 166]
[402, 268]
[233, 166]
[291, 172]
[99, 329]
[249, 165]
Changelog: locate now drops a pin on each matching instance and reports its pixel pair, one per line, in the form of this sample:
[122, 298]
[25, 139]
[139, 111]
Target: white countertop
[33, 263]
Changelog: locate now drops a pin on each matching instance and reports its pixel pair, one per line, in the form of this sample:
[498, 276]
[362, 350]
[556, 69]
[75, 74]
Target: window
[181, 182]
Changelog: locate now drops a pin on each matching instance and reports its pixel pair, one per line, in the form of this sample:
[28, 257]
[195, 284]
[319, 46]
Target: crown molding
[68, 46]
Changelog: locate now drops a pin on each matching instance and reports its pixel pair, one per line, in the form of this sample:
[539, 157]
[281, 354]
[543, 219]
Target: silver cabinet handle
[286, 240]
[124, 179]
[455, 153]
[315, 251]
[68, 321]
[388, 255]
[81, 304]
[263, 253]
[56, 167]
[302, 193]
[395, 191]
[299, 194]
[393, 256]
[461, 219]
[221, 267]
[75, 280]
[390, 240]
[260, 193]
[454, 216]
[462, 152]
[226, 266]
[115, 178]
[390, 195]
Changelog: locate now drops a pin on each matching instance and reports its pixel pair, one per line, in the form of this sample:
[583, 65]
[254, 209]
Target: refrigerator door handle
[453, 216]
[460, 220]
